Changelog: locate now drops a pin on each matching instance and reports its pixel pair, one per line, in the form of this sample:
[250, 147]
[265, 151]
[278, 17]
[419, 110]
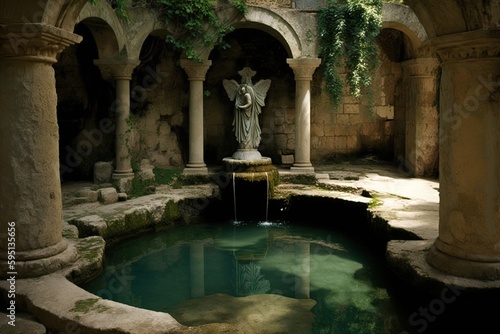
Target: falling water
[267, 195]
[234, 196]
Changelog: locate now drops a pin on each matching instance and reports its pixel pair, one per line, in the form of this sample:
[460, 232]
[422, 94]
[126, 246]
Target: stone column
[121, 71]
[30, 191]
[421, 116]
[469, 212]
[196, 72]
[303, 69]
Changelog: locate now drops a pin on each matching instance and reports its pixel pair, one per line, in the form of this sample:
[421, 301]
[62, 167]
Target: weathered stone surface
[256, 313]
[103, 171]
[287, 159]
[122, 197]
[24, 324]
[123, 183]
[385, 111]
[79, 200]
[310, 4]
[107, 195]
[56, 302]
[90, 260]
[89, 195]
[146, 170]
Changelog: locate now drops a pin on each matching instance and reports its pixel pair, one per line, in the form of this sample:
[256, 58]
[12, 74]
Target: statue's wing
[231, 87]
[260, 91]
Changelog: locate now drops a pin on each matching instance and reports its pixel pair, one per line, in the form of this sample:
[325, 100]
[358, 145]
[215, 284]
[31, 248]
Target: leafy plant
[348, 31]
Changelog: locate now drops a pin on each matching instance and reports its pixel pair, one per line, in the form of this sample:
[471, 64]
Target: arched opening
[393, 51]
[409, 84]
[85, 122]
[267, 57]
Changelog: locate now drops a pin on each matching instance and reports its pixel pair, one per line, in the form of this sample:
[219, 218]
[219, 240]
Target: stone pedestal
[247, 154]
[303, 69]
[196, 74]
[251, 185]
[469, 215]
[30, 191]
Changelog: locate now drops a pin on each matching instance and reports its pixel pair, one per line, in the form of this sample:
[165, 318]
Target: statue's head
[243, 89]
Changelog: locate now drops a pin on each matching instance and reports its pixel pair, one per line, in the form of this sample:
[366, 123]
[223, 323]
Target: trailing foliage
[348, 31]
[193, 21]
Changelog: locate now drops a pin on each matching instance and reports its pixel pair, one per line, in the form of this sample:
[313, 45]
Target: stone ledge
[58, 303]
[24, 323]
[408, 259]
[120, 219]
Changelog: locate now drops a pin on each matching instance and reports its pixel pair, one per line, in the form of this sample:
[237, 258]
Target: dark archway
[83, 105]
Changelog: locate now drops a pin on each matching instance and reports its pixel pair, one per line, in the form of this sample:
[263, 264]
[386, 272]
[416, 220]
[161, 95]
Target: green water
[160, 270]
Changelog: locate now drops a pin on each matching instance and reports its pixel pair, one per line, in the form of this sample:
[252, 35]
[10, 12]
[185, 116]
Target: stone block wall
[159, 104]
[160, 107]
[271, 3]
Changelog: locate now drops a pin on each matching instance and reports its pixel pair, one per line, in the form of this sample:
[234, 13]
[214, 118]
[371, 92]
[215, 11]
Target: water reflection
[162, 270]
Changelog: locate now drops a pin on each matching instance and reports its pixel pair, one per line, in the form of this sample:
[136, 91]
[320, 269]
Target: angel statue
[249, 100]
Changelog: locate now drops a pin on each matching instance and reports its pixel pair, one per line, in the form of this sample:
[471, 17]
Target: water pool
[164, 270]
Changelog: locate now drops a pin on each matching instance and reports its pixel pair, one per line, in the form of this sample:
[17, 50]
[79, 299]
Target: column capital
[479, 44]
[196, 70]
[421, 67]
[303, 68]
[34, 42]
[117, 68]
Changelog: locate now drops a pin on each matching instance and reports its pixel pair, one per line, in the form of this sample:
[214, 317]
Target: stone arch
[106, 29]
[275, 25]
[69, 13]
[402, 18]
[53, 13]
[150, 25]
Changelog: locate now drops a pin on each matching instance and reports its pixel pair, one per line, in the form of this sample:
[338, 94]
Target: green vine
[194, 21]
[348, 31]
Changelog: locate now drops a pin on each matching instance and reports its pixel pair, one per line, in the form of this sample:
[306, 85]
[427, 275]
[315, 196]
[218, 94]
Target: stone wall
[271, 3]
[160, 104]
[353, 129]
[160, 110]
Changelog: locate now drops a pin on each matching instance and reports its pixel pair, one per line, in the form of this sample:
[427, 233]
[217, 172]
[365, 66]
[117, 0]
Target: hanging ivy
[193, 21]
[196, 21]
[348, 31]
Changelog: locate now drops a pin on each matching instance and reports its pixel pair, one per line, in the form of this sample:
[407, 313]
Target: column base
[302, 168]
[462, 267]
[34, 264]
[195, 169]
[122, 181]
